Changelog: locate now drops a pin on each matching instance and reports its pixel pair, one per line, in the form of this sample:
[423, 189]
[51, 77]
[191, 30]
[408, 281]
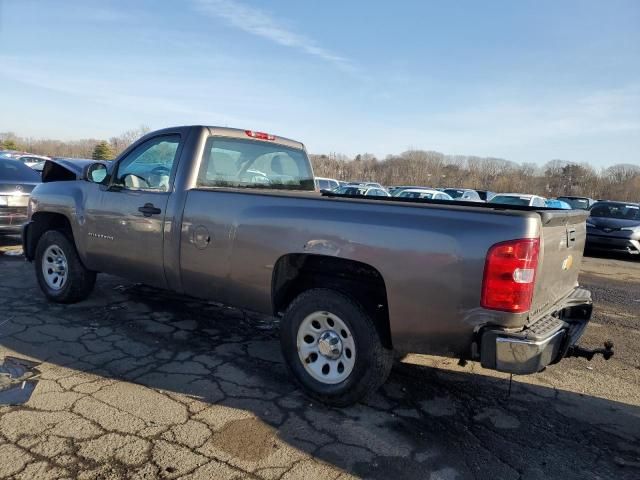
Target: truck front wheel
[61, 275]
[332, 348]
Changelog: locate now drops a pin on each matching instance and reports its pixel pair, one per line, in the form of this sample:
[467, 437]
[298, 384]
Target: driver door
[126, 221]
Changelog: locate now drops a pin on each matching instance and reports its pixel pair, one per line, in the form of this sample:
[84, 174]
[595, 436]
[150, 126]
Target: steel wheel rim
[327, 362]
[54, 267]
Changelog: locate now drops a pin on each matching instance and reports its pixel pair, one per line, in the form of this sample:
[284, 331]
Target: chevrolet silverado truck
[233, 216]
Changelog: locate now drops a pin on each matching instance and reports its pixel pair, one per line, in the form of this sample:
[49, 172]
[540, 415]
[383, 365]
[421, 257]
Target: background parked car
[326, 183]
[428, 193]
[362, 191]
[614, 226]
[16, 183]
[38, 167]
[397, 189]
[555, 203]
[366, 184]
[524, 200]
[464, 194]
[579, 203]
[28, 159]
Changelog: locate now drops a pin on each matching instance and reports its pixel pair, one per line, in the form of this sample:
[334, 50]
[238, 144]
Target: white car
[362, 191]
[524, 200]
[326, 183]
[31, 160]
[428, 193]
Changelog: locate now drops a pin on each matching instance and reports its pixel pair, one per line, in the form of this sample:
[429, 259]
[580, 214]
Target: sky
[527, 80]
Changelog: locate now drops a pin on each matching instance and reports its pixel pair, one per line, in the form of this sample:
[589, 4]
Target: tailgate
[561, 247]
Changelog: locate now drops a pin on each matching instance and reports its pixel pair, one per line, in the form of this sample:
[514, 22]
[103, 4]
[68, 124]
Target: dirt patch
[249, 439]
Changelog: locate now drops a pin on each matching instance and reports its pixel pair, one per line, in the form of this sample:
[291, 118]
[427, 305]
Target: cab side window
[149, 165]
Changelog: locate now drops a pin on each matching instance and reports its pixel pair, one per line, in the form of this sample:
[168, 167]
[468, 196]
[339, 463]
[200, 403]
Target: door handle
[148, 209]
[571, 235]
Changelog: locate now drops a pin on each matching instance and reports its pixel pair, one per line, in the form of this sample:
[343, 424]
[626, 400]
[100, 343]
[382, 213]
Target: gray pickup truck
[233, 216]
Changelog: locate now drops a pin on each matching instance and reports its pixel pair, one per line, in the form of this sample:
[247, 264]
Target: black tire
[79, 282]
[373, 361]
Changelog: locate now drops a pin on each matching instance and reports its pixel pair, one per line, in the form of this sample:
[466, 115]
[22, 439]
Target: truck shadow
[424, 421]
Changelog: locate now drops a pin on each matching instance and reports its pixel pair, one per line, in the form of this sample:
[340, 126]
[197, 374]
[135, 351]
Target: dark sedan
[614, 226]
[16, 183]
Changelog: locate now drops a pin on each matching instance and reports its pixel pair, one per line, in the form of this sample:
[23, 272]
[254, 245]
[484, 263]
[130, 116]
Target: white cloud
[258, 22]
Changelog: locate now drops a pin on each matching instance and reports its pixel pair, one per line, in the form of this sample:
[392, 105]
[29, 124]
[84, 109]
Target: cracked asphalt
[138, 383]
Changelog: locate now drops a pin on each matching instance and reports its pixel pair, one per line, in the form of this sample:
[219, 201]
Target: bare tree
[413, 167]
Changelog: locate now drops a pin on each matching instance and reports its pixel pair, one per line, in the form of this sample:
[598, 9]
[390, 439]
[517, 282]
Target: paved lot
[138, 383]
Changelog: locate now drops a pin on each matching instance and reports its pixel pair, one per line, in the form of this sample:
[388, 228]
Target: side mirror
[95, 173]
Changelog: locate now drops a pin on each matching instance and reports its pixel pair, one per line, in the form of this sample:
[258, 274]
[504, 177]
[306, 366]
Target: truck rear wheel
[332, 348]
[61, 275]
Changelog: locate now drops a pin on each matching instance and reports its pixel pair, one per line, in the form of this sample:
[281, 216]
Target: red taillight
[509, 275]
[260, 135]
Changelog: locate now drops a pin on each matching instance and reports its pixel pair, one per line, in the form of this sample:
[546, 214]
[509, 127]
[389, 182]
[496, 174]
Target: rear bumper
[544, 342]
[617, 244]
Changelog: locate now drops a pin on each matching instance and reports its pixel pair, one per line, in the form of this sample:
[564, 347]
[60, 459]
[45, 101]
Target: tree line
[435, 169]
[413, 167]
[98, 149]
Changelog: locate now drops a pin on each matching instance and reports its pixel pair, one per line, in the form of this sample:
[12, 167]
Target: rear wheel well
[43, 222]
[296, 273]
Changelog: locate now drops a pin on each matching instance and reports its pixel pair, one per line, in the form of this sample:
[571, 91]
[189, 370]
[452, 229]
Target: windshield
[622, 211]
[578, 203]
[232, 162]
[15, 171]
[454, 193]
[508, 200]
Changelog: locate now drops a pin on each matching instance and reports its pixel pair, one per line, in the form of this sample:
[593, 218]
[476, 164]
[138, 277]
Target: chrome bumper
[544, 342]
[526, 356]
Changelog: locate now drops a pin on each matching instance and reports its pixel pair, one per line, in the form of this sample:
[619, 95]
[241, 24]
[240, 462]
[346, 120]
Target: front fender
[58, 205]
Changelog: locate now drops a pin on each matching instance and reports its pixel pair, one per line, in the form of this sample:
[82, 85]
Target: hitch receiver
[606, 352]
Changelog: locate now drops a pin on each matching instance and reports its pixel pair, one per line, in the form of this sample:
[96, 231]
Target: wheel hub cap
[330, 345]
[54, 267]
[326, 348]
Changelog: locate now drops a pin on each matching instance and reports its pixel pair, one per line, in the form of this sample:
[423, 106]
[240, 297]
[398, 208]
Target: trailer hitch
[577, 351]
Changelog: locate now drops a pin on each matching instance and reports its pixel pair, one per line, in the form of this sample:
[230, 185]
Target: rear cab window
[240, 163]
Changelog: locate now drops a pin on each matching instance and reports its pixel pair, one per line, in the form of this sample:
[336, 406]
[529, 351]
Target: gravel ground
[139, 383]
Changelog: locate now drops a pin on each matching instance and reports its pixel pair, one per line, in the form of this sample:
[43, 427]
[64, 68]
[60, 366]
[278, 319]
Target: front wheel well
[42, 222]
[296, 273]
